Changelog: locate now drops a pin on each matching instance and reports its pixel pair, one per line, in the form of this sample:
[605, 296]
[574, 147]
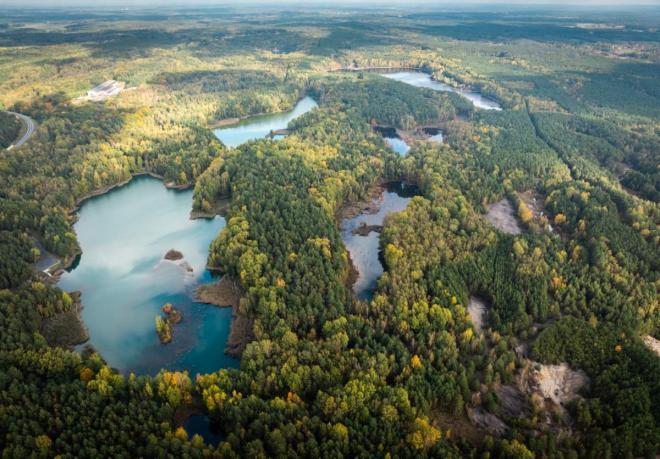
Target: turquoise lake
[125, 281]
[258, 127]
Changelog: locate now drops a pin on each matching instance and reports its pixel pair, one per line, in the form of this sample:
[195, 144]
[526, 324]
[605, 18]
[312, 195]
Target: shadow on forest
[480, 31]
[220, 80]
[107, 43]
[257, 33]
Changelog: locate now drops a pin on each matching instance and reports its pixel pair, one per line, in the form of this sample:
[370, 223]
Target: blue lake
[125, 281]
[259, 126]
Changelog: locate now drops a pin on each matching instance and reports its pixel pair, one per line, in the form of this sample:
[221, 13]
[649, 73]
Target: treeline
[243, 92]
[10, 127]
[387, 102]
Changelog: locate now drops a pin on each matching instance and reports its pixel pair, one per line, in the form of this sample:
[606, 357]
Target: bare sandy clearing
[556, 382]
[652, 344]
[500, 215]
[477, 309]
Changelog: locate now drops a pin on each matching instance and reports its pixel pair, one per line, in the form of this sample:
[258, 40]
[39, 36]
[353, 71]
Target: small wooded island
[164, 325]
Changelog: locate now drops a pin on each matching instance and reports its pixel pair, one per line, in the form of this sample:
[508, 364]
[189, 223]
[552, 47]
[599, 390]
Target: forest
[413, 371]
[9, 129]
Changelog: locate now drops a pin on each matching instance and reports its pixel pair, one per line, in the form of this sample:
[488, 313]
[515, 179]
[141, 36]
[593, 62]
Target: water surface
[398, 145]
[365, 250]
[198, 424]
[258, 127]
[125, 281]
[437, 138]
[423, 80]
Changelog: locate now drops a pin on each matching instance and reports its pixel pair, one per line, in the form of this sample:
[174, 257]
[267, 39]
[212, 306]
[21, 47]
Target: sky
[408, 3]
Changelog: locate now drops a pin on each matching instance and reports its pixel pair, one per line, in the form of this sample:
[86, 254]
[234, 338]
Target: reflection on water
[125, 281]
[423, 80]
[258, 127]
[398, 145]
[364, 250]
[435, 135]
[392, 139]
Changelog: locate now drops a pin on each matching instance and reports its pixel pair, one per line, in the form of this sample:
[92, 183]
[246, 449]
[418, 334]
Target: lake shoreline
[67, 261]
[229, 122]
[361, 207]
[169, 285]
[369, 205]
[106, 189]
[227, 293]
[414, 68]
[463, 90]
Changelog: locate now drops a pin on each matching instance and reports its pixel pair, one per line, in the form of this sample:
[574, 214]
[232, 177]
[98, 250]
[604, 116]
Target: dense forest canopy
[418, 370]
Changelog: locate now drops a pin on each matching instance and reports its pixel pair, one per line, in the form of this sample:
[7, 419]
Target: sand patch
[477, 310]
[652, 344]
[512, 401]
[500, 215]
[558, 383]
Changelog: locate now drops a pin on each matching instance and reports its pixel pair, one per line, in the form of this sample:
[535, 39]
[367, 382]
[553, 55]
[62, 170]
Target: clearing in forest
[500, 215]
[477, 309]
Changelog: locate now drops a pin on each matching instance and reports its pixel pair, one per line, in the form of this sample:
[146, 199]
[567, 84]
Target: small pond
[398, 145]
[435, 135]
[392, 139]
[199, 424]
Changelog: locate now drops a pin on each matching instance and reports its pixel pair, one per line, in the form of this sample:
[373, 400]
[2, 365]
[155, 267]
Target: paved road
[29, 125]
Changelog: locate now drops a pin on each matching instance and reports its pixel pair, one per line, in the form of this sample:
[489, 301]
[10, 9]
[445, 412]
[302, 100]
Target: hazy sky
[405, 3]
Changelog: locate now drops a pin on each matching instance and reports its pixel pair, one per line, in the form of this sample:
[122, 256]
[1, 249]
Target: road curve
[29, 129]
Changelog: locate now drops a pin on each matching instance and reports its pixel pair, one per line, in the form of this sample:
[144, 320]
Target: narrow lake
[365, 249]
[125, 281]
[259, 126]
[424, 80]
